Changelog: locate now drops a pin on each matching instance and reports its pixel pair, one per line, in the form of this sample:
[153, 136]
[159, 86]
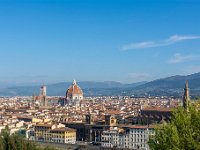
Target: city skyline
[126, 41]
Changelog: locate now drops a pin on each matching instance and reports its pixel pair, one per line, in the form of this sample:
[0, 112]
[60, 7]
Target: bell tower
[186, 97]
[43, 94]
[89, 119]
[110, 120]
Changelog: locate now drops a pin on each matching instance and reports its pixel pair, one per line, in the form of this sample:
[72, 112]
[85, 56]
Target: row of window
[62, 141]
[62, 136]
[125, 145]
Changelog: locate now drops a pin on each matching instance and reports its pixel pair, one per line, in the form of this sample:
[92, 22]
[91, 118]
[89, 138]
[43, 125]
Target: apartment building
[56, 133]
[130, 137]
[63, 135]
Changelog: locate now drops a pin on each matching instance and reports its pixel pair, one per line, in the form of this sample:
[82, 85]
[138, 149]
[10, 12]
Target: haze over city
[108, 40]
[99, 75]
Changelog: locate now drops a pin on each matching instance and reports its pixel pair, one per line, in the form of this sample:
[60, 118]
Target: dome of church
[74, 89]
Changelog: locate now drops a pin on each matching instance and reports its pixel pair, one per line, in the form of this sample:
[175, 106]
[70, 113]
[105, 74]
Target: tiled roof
[64, 129]
[140, 126]
[74, 89]
[156, 109]
[43, 125]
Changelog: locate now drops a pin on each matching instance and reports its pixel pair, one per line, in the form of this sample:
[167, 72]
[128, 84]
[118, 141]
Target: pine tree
[181, 133]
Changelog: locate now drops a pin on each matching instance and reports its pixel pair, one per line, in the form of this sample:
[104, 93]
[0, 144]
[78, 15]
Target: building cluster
[109, 122]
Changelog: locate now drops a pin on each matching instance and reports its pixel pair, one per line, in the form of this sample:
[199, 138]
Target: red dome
[74, 89]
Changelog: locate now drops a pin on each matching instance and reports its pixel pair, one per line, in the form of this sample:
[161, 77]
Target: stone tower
[110, 120]
[186, 97]
[43, 94]
[89, 119]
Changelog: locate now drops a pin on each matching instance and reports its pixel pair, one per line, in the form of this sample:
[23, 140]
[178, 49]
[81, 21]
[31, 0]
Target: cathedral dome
[74, 89]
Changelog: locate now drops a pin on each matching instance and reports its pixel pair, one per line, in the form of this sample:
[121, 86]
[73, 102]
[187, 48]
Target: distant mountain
[90, 88]
[171, 86]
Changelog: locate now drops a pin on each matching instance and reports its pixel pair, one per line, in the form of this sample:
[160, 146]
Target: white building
[110, 138]
[130, 137]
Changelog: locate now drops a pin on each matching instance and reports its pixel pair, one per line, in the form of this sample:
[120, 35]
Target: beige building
[54, 133]
[63, 135]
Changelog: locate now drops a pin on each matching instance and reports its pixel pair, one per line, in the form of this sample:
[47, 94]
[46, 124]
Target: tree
[181, 133]
[15, 142]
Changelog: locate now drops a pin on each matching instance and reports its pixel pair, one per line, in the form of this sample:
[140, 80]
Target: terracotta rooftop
[156, 109]
[74, 89]
[64, 129]
[43, 125]
[140, 126]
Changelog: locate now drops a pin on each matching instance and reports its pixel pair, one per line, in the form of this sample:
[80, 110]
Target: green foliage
[181, 133]
[49, 148]
[22, 133]
[16, 142]
[197, 98]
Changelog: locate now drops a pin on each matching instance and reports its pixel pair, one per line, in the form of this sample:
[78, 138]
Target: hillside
[170, 86]
[90, 88]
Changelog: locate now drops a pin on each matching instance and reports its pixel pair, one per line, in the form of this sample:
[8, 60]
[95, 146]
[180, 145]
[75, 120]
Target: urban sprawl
[103, 122]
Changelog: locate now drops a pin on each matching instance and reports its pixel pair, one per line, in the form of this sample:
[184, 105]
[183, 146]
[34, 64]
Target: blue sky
[98, 40]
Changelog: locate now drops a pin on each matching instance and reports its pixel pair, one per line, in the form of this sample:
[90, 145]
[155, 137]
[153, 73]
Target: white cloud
[149, 44]
[146, 44]
[176, 38]
[178, 58]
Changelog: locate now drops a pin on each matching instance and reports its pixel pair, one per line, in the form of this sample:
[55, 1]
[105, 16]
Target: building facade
[63, 135]
[54, 133]
[127, 137]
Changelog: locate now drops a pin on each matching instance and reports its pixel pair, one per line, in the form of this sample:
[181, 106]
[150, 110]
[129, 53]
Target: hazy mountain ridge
[173, 85]
[170, 86]
[90, 88]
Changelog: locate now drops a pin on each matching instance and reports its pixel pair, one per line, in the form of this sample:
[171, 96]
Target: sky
[48, 41]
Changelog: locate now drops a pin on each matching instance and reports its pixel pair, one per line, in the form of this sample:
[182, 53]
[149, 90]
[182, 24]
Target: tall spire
[186, 97]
